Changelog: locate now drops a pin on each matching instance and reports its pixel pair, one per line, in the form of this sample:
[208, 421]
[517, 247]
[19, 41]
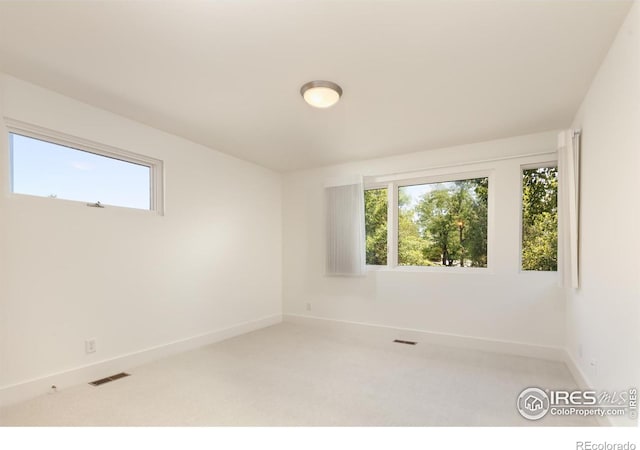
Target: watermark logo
[589, 445]
[533, 403]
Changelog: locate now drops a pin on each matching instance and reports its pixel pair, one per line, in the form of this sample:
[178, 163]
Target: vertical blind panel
[568, 204]
[345, 230]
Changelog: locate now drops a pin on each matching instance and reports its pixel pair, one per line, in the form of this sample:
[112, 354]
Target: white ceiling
[416, 74]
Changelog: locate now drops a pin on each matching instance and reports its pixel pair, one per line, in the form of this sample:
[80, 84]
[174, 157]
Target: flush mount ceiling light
[321, 94]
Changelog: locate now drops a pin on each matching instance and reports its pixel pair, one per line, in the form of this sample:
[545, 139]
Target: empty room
[320, 213]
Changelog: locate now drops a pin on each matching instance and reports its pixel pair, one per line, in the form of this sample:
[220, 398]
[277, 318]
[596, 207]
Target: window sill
[537, 272]
[432, 269]
[46, 202]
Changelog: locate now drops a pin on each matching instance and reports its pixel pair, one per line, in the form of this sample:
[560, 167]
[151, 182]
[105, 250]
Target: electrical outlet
[308, 305]
[90, 346]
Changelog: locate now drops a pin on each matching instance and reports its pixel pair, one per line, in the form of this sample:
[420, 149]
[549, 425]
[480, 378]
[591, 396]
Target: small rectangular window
[540, 219]
[45, 168]
[443, 224]
[375, 207]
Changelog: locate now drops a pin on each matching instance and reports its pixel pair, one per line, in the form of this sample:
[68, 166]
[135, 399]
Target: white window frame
[156, 166]
[523, 167]
[394, 182]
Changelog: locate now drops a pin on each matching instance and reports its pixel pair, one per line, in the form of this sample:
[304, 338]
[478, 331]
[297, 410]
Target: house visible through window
[47, 169]
[540, 219]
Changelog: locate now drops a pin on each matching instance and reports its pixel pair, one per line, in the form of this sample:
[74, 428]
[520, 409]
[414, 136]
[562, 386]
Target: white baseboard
[577, 373]
[584, 384]
[454, 340]
[32, 388]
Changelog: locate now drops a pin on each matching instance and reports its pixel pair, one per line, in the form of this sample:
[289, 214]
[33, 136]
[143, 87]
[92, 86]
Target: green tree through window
[375, 206]
[439, 224]
[540, 219]
[451, 218]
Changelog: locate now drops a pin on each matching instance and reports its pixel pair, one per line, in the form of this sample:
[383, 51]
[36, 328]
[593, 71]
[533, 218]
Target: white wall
[129, 278]
[500, 303]
[603, 314]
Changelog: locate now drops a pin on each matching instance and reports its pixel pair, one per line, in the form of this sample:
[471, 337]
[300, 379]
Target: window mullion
[392, 225]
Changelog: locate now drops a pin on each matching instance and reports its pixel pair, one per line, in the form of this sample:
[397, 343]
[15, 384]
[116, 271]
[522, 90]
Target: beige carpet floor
[292, 374]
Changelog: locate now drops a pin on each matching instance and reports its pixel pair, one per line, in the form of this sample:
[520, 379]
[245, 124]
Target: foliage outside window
[540, 219]
[443, 224]
[375, 201]
[438, 224]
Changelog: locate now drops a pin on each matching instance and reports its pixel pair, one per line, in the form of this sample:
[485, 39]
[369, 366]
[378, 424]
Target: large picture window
[443, 224]
[428, 224]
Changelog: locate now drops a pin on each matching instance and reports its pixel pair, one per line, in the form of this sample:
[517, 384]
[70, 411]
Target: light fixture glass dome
[321, 94]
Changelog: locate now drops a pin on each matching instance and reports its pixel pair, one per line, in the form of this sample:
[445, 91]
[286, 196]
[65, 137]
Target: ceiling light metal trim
[321, 84]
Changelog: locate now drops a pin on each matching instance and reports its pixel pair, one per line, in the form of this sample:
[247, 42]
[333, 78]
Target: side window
[539, 250]
[375, 208]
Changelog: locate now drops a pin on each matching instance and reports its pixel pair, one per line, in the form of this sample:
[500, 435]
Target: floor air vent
[400, 341]
[108, 379]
